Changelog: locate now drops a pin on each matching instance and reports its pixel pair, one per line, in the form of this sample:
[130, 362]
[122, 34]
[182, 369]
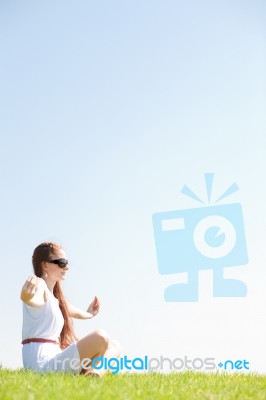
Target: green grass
[21, 384]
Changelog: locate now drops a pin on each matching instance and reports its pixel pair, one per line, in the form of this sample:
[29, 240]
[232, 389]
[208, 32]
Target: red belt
[39, 340]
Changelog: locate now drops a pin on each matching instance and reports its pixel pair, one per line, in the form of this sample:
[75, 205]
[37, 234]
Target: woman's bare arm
[75, 312]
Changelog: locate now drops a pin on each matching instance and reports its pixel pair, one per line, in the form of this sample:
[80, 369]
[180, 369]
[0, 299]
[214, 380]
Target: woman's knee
[102, 338]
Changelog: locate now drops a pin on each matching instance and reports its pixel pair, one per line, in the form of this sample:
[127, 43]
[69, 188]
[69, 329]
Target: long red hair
[42, 253]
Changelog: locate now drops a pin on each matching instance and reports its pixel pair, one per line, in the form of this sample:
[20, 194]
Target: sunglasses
[61, 262]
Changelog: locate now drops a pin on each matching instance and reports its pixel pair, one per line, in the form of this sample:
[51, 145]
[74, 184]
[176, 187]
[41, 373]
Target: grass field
[20, 384]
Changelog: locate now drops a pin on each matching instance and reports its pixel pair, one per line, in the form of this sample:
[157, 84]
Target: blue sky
[107, 110]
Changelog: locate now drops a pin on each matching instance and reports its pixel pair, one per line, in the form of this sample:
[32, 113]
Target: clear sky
[106, 110]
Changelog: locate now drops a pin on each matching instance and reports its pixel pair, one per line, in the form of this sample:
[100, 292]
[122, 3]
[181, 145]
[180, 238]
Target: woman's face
[54, 272]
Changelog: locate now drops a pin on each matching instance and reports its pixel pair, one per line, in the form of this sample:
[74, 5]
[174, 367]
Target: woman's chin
[61, 278]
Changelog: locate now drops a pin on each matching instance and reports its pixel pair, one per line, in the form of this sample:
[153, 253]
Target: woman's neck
[50, 284]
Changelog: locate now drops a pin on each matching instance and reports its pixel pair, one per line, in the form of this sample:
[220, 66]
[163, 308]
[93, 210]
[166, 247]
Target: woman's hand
[30, 288]
[94, 307]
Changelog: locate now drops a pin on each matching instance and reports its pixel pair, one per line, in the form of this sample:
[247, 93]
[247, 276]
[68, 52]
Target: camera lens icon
[214, 236]
[200, 238]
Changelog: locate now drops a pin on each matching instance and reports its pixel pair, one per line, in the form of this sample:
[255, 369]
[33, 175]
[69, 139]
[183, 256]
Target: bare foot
[93, 375]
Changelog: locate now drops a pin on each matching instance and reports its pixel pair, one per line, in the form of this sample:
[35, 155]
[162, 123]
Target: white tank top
[44, 322]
